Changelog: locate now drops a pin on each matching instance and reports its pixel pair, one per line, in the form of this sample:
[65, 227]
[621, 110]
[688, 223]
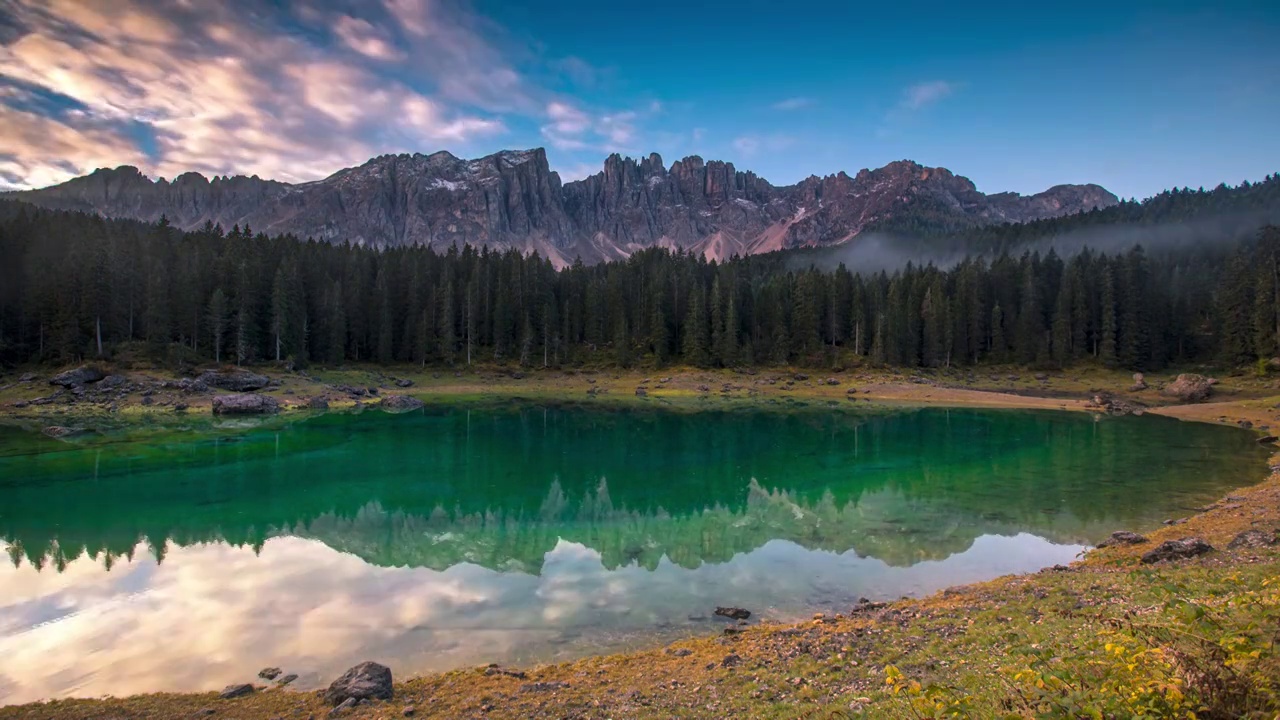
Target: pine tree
[217, 320]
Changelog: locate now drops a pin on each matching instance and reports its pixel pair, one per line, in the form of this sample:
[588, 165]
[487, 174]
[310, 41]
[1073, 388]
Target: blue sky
[1134, 96]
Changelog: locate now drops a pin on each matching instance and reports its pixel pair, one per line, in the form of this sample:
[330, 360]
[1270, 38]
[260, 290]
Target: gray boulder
[1253, 540]
[318, 403]
[368, 680]
[113, 381]
[1123, 537]
[235, 691]
[245, 404]
[1176, 550]
[400, 403]
[1190, 387]
[234, 380]
[80, 376]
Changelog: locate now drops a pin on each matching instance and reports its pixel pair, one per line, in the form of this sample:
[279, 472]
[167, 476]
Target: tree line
[76, 286]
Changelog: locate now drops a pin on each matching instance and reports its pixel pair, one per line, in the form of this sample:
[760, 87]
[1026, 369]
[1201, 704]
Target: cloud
[923, 94]
[794, 103]
[360, 35]
[214, 88]
[571, 128]
[749, 145]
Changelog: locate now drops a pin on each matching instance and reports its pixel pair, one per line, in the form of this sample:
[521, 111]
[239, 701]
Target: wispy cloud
[793, 103]
[922, 95]
[749, 145]
[292, 91]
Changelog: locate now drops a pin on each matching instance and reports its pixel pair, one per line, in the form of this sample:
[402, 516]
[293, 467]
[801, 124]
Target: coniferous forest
[78, 286]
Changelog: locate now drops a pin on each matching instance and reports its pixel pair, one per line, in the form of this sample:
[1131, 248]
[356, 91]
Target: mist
[876, 251]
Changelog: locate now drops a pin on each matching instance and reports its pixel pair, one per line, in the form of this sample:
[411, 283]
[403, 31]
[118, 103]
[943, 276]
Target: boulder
[1190, 387]
[80, 376]
[27, 377]
[235, 691]
[400, 403]
[245, 404]
[270, 673]
[1139, 383]
[112, 381]
[1123, 537]
[404, 383]
[544, 686]
[318, 403]
[368, 680]
[733, 612]
[234, 380]
[641, 392]
[1176, 550]
[1113, 405]
[1253, 539]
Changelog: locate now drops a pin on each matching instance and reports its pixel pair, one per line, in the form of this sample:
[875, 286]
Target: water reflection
[451, 537]
[213, 613]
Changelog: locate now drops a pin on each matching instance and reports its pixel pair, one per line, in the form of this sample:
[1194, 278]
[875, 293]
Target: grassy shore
[1107, 633]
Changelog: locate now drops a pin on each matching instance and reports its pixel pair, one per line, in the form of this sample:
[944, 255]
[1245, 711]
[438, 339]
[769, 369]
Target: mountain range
[512, 199]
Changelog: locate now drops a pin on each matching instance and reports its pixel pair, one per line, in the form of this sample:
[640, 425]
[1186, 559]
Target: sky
[1134, 96]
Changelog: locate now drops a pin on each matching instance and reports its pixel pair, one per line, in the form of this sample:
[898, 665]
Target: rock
[832, 381]
[62, 431]
[680, 652]
[498, 670]
[112, 381]
[404, 383]
[1246, 424]
[704, 388]
[1118, 406]
[641, 392]
[364, 681]
[21, 404]
[235, 691]
[734, 613]
[1254, 539]
[731, 660]
[800, 377]
[1267, 439]
[343, 707]
[1042, 377]
[408, 711]
[400, 403]
[28, 377]
[287, 679]
[234, 380]
[1177, 550]
[1139, 383]
[148, 400]
[181, 407]
[544, 686]
[245, 404]
[318, 403]
[1123, 537]
[1189, 387]
[270, 673]
[80, 376]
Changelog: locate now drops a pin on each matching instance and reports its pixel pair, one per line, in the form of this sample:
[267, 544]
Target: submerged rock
[62, 431]
[400, 403]
[1123, 537]
[245, 404]
[734, 613]
[1113, 405]
[80, 376]
[235, 691]
[1177, 550]
[1190, 387]
[364, 681]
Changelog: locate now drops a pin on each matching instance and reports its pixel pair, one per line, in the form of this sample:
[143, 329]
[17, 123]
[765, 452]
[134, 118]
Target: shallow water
[452, 537]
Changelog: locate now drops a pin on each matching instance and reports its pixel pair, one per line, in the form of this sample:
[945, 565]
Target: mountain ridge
[512, 199]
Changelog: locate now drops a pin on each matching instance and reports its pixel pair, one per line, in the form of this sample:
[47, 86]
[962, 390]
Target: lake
[187, 559]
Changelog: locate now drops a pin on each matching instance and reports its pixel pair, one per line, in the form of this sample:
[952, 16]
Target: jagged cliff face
[512, 199]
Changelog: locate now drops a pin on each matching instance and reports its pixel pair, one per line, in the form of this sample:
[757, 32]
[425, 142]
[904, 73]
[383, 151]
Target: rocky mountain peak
[512, 199]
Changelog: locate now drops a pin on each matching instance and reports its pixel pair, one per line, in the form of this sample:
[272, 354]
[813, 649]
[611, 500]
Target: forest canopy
[77, 286]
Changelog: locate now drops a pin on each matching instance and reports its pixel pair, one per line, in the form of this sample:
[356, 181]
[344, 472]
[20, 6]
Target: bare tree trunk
[97, 323]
